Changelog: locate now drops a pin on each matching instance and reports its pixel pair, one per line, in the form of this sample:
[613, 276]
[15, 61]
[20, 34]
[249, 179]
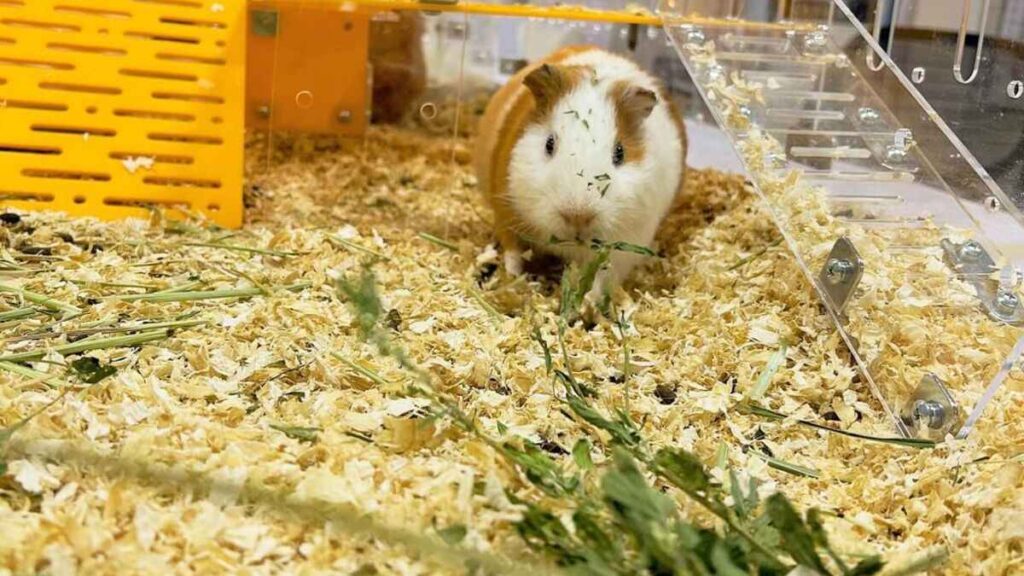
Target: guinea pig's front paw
[514, 262]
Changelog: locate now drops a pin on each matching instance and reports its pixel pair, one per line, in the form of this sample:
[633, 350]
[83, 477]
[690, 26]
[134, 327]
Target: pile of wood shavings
[256, 398]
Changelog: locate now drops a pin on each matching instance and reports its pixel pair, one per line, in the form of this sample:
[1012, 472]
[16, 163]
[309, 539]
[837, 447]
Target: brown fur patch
[633, 105]
[508, 114]
[549, 83]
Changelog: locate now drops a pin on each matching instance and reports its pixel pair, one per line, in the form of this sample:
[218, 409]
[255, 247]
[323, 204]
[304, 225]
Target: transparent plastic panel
[910, 244]
[339, 80]
[965, 57]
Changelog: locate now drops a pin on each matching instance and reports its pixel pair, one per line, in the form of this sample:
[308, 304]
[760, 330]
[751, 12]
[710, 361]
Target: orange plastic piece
[108, 106]
[307, 69]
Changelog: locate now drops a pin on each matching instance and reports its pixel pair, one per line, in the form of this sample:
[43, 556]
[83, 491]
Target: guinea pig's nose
[578, 218]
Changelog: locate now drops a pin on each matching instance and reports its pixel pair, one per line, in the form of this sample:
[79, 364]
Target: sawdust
[255, 399]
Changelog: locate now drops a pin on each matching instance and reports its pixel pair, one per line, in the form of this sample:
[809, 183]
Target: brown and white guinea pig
[580, 145]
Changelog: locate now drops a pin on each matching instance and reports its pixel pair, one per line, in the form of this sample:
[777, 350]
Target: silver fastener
[930, 412]
[695, 36]
[263, 111]
[971, 250]
[895, 154]
[1006, 302]
[838, 270]
[345, 116]
[868, 115]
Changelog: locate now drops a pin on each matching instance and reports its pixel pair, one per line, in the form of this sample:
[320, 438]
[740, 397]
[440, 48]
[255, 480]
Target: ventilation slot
[162, 37]
[29, 105]
[192, 59]
[101, 132]
[25, 196]
[155, 115]
[103, 50]
[66, 175]
[187, 3]
[148, 204]
[158, 158]
[205, 98]
[19, 23]
[43, 64]
[158, 75]
[181, 182]
[85, 11]
[187, 138]
[11, 3]
[193, 22]
[38, 150]
[66, 87]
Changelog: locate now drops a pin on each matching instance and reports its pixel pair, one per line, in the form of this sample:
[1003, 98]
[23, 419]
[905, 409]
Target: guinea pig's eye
[619, 155]
[549, 146]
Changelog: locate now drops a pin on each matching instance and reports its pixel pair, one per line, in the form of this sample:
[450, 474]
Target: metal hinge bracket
[974, 263]
[841, 274]
[931, 412]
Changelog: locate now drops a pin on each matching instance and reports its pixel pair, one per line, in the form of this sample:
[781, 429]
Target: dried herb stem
[48, 379]
[356, 247]
[765, 379]
[758, 410]
[794, 469]
[44, 301]
[439, 241]
[89, 345]
[248, 249]
[376, 378]
[17, 314]
[205, 295]
[755, 255]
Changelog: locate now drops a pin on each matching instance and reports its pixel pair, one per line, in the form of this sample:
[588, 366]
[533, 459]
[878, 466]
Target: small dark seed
[617, 378]
[393, 320]
[36, 250]
[666, 394]
[552, 448]
[759, 434]
[766, 450]
[66, 237]
[10, 218]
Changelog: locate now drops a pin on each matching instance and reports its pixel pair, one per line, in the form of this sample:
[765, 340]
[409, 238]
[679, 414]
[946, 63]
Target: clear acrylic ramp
[884, 208]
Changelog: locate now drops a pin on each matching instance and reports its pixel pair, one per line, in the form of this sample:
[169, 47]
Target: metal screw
[993, 204]
[745, 111]
[1006, 302]
[345, 116]
[895, 154]
[917, 75]
[868, 115]
[695, 36]
[263, 111]
[970, 251]
[715, 72]
[838, 270]
[930, 412]
[815, 41]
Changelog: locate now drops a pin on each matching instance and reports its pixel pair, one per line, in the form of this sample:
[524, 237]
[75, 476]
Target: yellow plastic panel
[110, 106]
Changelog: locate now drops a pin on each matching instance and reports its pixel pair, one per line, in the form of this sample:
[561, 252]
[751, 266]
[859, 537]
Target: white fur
[638, 195]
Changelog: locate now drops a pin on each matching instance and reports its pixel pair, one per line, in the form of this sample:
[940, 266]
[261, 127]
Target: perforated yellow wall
[107, 106]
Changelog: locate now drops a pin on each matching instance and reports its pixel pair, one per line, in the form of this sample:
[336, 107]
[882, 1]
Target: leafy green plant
[625, 517]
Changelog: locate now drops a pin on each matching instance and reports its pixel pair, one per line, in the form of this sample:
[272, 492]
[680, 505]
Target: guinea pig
[582, 145]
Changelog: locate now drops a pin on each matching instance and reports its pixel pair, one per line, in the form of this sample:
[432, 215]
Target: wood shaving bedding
[277, 392]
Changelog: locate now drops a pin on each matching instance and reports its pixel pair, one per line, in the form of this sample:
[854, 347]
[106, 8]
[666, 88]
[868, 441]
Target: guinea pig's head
[578, 170]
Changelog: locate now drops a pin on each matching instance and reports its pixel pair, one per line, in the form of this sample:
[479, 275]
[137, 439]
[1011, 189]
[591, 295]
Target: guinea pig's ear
[638, 102]
[546, 83]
